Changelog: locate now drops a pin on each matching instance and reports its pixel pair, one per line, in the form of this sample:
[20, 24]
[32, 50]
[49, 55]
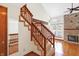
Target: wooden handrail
[38, 42]
[47, 29]
[42, 34]
[50, 41]
[44, 48]
[26, 10]
[39, 31]
[26, 14]
[51, 34]
[37, 21]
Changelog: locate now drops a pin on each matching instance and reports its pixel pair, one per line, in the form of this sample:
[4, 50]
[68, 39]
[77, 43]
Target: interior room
[39, 29]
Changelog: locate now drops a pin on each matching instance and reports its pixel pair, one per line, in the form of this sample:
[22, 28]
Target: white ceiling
[57, 9]
[52, 9]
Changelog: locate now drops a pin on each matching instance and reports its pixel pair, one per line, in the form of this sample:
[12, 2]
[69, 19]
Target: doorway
[3, 31]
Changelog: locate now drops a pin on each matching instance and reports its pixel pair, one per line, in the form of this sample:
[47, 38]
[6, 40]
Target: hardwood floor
[62, 49]
[66, 49]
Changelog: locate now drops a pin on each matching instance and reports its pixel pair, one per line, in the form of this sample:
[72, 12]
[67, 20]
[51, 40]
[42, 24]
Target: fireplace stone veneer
[72, 38]
[71, 25]
[72, 33]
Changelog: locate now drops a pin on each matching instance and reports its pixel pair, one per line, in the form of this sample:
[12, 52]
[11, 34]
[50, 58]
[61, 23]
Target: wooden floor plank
[63, 48]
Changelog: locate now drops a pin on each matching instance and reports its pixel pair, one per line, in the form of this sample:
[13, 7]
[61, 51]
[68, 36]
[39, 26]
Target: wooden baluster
[31, 31]
[53, 41]
[39, 37]
[44, 47]
[42, 44]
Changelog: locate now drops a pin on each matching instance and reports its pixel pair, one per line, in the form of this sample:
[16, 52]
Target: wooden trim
[13, 34]
[13, 42]
[38, 21]
[70, 42]
[6, 31]
[60, 39]
[3, 6]
[11, 45]
[71, 29]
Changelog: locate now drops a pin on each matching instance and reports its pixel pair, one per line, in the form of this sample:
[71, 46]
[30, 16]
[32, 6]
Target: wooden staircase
[43, 38]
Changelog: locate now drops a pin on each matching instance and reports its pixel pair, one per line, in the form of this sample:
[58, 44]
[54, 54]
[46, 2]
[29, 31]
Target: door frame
[6, 42]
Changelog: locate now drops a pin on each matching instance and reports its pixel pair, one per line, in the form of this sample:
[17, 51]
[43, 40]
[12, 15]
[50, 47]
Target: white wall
[38, 11]
[24, 40]
[12, 26]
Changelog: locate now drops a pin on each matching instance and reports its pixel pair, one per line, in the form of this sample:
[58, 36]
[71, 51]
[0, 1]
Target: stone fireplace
[71, 27]
[71, 35]
[73, 38]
